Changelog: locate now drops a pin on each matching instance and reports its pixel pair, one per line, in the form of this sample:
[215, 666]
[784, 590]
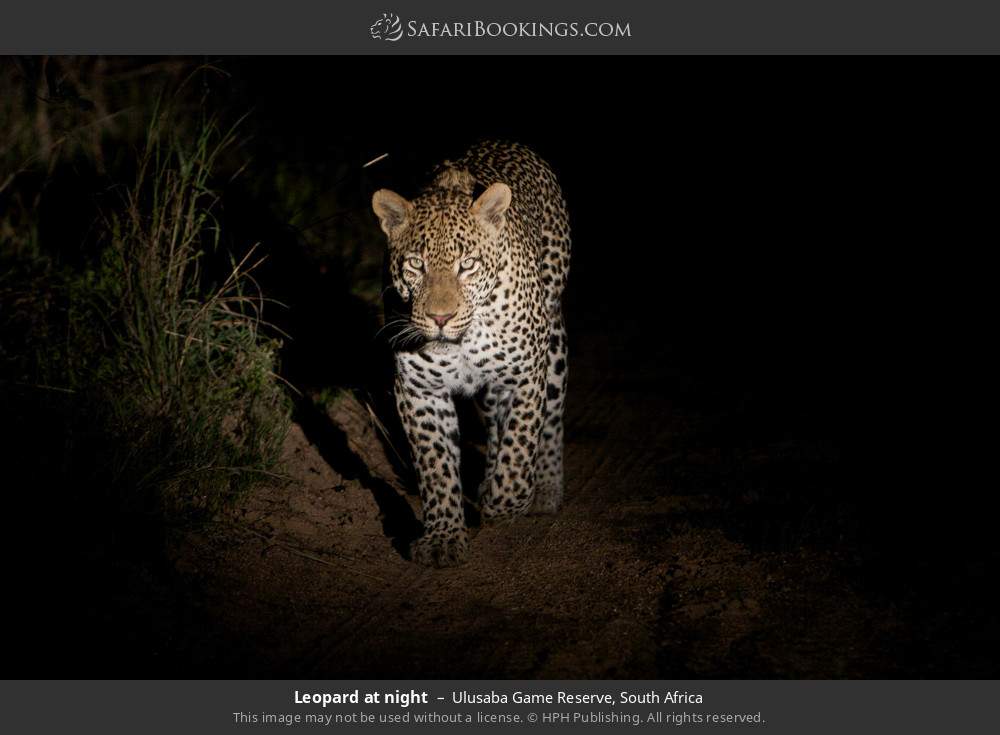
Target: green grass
[163, 368]
[203, 397]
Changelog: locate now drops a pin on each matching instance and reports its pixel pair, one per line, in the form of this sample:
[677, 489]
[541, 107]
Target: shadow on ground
[705, 534]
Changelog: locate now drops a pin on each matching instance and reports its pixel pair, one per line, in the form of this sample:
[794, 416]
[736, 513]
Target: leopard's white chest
[467, 366]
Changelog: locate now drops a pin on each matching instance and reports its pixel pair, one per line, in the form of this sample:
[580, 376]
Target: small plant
[158, 364]
[188, 386]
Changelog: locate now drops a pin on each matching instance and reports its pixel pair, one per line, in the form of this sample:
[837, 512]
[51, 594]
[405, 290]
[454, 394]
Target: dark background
[741, 207]
[778, 230]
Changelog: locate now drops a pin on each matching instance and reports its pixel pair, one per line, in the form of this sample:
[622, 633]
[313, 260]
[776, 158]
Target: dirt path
[705, 533]
[665, 561]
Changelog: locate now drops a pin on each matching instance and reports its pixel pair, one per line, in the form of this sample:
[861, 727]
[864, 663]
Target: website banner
[516, 27]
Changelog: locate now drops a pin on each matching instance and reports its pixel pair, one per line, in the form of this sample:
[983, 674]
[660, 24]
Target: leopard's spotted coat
[484, 276]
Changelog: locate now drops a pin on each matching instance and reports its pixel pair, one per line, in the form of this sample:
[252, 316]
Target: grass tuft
[162, 366]
[203, 416]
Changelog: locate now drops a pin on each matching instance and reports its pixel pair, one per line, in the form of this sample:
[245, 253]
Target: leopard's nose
[441, 319]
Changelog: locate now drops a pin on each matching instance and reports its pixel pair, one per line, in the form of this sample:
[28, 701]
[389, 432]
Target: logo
[387, 28]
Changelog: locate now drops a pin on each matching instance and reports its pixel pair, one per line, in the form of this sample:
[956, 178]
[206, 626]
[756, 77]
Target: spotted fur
[484, 276]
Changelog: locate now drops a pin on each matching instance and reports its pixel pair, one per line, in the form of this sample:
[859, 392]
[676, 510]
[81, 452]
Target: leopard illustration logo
[387, 28]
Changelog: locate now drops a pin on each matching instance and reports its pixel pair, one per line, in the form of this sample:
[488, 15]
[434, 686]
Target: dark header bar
[513, 27]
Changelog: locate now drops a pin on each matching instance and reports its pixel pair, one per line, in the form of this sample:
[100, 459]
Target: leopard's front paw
[437, 548]
[500, 509]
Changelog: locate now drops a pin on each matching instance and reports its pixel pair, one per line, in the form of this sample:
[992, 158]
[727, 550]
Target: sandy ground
[705, 534]
[669, 559]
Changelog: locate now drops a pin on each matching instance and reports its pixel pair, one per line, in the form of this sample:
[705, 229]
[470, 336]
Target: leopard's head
[445, 250]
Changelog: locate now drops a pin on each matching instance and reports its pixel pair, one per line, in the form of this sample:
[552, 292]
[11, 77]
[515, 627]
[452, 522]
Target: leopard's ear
[392, 210]
[492, 204]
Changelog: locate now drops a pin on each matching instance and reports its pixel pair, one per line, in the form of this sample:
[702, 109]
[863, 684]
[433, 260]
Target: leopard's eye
[468, 264]
[415, 263]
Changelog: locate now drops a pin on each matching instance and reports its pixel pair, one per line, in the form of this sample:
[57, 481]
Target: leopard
[480, 259]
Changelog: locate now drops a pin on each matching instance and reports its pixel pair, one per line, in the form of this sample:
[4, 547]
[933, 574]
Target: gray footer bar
[538, 706]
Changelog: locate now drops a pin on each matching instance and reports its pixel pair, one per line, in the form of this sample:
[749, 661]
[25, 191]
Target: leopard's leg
[513, 477]
[494, 404]
[549, 472]
[427, 411]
